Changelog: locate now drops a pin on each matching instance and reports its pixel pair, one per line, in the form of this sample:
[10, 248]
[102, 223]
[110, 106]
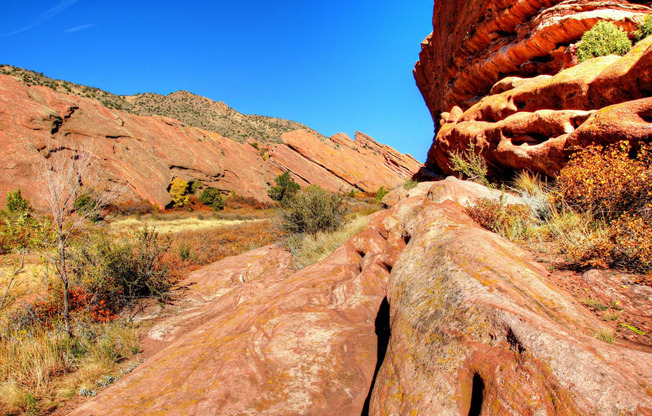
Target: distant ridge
[191, 109]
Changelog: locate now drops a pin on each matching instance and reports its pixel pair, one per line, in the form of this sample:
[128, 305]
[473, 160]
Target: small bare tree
[67, 175]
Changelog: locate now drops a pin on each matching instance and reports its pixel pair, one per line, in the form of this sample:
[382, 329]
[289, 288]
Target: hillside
[191, 109]
[147, 152]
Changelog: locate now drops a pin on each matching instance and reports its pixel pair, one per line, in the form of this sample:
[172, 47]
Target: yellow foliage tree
[179, 192]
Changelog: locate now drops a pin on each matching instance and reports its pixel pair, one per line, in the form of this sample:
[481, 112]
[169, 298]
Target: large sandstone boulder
[475, 44]
[423, 312]
[147, 152]
[537, 123]
[490, 75]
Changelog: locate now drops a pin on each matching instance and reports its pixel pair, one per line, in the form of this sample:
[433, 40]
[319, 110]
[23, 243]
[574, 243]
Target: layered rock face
[470, 325]
[496, 66]
[148, 152]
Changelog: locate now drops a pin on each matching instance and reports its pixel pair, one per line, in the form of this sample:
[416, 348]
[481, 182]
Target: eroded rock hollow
[503, 75]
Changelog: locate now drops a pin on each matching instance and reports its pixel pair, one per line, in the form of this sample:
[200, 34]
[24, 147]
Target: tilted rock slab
[476, 329]
[259, 340]
[537, 123]
[148, 152]
[473, 329]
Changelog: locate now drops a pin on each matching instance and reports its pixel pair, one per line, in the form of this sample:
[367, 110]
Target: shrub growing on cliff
[380, 194]
[603, 39]
[470, 164]
[644, 29]
[615, 185]
[312, 210]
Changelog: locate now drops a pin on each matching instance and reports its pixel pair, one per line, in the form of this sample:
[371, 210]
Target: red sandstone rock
[472, 319]
[257, 340]
[474, 44]
[341, 163]
[149, 151]
[536, 123]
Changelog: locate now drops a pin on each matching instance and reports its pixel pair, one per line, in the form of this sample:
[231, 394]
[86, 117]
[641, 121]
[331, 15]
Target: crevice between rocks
[383, 333]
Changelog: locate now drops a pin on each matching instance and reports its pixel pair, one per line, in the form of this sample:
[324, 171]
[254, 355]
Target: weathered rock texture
[509, 52]
[474, 328]
[261, 341]
[149, 151]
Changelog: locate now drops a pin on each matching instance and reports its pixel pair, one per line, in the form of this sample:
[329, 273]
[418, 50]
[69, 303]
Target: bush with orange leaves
[614, 184]
[509, 220]
[609, 181]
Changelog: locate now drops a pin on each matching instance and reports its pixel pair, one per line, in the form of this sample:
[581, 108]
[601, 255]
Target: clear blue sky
[339, 65]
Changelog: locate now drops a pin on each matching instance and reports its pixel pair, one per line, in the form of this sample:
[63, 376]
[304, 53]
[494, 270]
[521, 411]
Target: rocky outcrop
[537, 123]
[474, 44]
[363, 164]
[490, 73]
[470, 325]
[148, 152]
[260, 340]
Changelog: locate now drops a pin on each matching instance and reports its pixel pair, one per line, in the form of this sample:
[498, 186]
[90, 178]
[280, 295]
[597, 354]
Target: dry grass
[42, 368]
[605, 335]
[173, 225]
[309, 249]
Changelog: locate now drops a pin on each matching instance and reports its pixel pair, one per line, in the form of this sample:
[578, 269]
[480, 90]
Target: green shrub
[312, 210]
[603, 39]
[119, 271]
[470, 164]
[285, 187]
[212, 198]
[179, 192]
[86, 205]
[380, 194]
[644, 29]
[410, 184]
[194, 187]
[16, 204]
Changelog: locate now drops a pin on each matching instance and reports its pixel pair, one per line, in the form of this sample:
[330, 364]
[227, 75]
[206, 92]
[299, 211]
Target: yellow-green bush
[179, 192]
[603, 39]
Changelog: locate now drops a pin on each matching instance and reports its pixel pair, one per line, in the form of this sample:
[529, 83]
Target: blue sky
[336, 66]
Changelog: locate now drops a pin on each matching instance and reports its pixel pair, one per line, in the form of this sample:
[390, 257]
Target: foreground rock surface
[148, 152]
[499, 86]
[474, 328]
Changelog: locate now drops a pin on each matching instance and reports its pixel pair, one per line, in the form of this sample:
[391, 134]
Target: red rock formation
[474, 44]
[473, 324]
[342, 163]
[149, 151]
[261, 341]
[536, 123]
[532, 115]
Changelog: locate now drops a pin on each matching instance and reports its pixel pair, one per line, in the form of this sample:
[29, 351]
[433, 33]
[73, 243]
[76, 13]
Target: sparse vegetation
[605, 38]
[380, 194]
[309, 249]
[311, 210]
[605, 335]
[213, 198]
[184, 106]
[285, 188]
[644, 29]
[410, 184]
[509, 220]
[470, 164]
[598, 214]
